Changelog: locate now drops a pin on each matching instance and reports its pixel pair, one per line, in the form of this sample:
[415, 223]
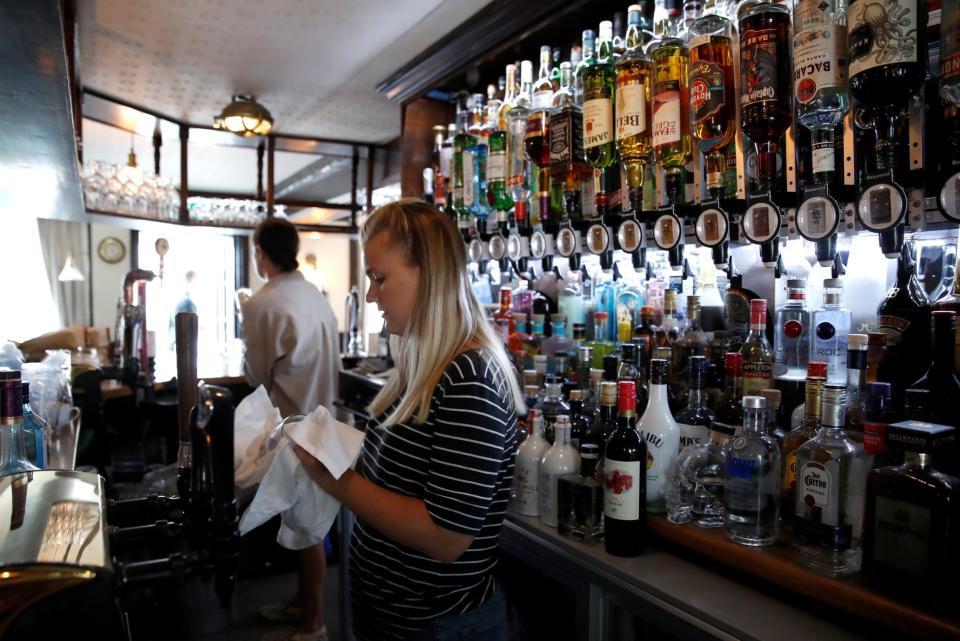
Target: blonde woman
[434, 475]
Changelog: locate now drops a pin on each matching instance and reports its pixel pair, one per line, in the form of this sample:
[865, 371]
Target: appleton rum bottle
[756, 352]
[633, 109]
[599, 89]
[766, 84]
[712, 89]
[671, 106]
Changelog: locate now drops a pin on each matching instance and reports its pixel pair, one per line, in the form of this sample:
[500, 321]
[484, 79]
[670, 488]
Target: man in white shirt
[293, 350]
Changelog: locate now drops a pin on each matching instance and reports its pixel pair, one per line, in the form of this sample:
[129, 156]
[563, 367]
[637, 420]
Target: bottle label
[902, 536]
[757, 376]
[816, 486]
[893, 327]
[707, 94]
[661, 452]
[446, 161]
[548, 497]
[566, 140]
[693, 435]
[874, 437]
[882, 34]
[597, 122]
[822, 155]
[497, 166]
[631, 110]
[819, 50]
[666, 113]
[528, 489]
[758, 67]
[621, 496]
[458, 194]
[831, 537]
[468, 180]
[790, 471]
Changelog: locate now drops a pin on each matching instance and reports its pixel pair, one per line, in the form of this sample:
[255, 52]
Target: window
[198, 275]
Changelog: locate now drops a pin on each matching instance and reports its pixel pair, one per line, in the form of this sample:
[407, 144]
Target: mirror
[630, 236]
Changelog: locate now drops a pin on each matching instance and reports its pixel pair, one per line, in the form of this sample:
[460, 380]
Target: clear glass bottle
[695, 419]
[696, 492]
[518, 167]
[527, 471]
[794, 439]
[693, 342]
[791, 343]
[756, 352]
[629, 302]
[13, 453]
[35, 429]
[644, 332]
[669, 329]
[856, 383]
[475, 166]
[601, 345]
[558, 341]
[731, 407]
[553, 406]
[570, 301]
[751, 480]
[559, 461]
[633, 126]
[624, 494]
[580, 500]
[536, 143]
[831, 478]
[831, 325]
[662, 436]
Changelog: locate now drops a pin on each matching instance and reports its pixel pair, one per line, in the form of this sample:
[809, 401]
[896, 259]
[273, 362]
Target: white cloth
[253, 421]
[292, 345]
[306, 512]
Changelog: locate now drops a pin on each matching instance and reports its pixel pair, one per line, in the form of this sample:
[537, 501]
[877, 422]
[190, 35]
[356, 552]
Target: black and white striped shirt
[460, 462]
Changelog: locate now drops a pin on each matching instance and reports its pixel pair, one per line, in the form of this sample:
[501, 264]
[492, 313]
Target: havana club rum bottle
[633, 109]
[671, 106]
[766, 85]
[599, 88]
[712, 93]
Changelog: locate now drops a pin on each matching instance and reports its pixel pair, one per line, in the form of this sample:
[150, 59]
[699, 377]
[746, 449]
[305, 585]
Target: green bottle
[462, 142]
[599, 83]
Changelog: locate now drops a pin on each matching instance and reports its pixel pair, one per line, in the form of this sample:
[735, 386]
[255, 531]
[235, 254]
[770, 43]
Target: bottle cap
[659, 368]
[916, 404]
[832, 283]
[25, 391]
[754, 402]
[579, 332]
[606, 30]
[733, 362]
[664, 352]
[596, 374]
[816, 369]
[857, 342]
[539, 360]
[530, 390]
[575, 395]
[796, 283]
[526, 72]
[758, 313]
[536, 318]
[834, 405]
[918, 436]
[628, 353]
[589, 456]
[530, 376]
[626, 396]
[698, 366]
[610, 367]
[635, 8]
[773, 397]
[608, 393]
[9, 375]
[647, 312]
[584, 353]
[600, 315]
[11, 403]
[560, 354]
[877, 338]
[589, 450]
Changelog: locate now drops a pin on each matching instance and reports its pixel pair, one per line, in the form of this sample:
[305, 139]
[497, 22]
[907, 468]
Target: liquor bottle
[751, 480]
[662, 436]
[558, 341]
[605, 422]
[462, 162]
[589, 58]
[555, 55]
[629, 302]
[693, 342]
[436, 162]
[446, 166]
[570, 301]
[950, 53]
[876, 416]
[696, 491]
[518, 167]
[736, 311]
[634, 143]
[619, 40]
[712, 92]
[912, 521]
[887, 66]
[627, 363]
[731, 408]
[756, 352]
[771, 419]
[695, 419]
[856, 385]
[599, 89]
[601, 345]
[820, 76]
[499, 196]
[13, 457]
[904, 316]
[536, 143]
[941, 378]
[766, 85]
[670, 100]
[791, 346]
[831, 478]
[34, 429]
[815, 369]
[553, 405]
[831, 324]
[644, 333]
[567, 167]
[579, 420]
[669, 329]
[951, 302]
[560, 460]
[624, 496]
[527, 471]
[876, 345]
[580, 500]
[794, 439]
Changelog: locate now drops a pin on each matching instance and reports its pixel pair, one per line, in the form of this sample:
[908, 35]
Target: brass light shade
[245, 117]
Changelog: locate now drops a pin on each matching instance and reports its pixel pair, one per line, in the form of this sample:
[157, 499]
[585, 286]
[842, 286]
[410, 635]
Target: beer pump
[130, 348]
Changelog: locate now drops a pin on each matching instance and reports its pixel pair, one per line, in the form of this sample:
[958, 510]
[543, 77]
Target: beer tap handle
[186, 326]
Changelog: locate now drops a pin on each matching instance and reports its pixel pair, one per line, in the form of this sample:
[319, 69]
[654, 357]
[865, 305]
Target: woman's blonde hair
[448, 318]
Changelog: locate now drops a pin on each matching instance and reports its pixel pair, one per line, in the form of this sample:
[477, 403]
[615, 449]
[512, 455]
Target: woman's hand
[315, 469]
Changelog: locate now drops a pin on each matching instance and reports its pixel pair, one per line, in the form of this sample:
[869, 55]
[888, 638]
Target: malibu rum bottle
[765, 83]
[633, 109]
[599, 88]
[671, 107]
[712, 92]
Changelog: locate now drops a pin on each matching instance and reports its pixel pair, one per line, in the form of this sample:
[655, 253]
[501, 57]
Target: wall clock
[111, 250]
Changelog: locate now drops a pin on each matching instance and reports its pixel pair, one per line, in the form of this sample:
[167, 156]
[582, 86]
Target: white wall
[106, 279]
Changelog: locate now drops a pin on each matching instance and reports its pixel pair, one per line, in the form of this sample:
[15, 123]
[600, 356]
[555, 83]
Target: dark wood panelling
[416, 141]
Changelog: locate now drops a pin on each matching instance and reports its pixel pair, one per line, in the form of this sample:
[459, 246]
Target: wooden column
[260, 150]
[416, 140]
[184, 184]
[271, 148]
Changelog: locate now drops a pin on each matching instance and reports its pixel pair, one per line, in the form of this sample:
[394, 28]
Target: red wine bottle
[624, 469]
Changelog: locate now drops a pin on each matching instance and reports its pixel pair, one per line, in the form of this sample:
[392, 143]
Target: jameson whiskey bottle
[463, 166]
[765, 84]
[633, 109]
[904, 316]
[820, 76]
[599, 89]
[567, 168]
[756, 352]
[499, 196]
[670, 99]
[888, 55]
[712, 99]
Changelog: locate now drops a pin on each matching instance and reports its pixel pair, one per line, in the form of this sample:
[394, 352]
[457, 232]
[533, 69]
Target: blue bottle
[13, 457]
[34, 431]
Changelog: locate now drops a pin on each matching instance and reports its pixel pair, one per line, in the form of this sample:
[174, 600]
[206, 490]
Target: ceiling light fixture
[245, 117]
[70, 271]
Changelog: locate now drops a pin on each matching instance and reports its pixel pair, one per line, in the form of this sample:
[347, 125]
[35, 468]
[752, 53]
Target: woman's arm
[402, 518]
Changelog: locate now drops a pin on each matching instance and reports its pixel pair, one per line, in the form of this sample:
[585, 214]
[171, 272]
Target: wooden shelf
[775, 564]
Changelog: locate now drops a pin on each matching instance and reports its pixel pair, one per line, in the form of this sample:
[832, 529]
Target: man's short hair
[279, 240]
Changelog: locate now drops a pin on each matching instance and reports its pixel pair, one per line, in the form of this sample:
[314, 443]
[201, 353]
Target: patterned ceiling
[313, 63]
